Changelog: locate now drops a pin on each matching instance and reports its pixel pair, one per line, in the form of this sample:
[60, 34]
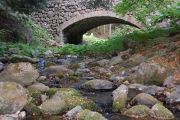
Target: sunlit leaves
[143, 9]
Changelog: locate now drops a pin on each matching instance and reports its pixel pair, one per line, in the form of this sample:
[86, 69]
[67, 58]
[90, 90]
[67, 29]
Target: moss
[51, 91]
[139, 111]
[119, 103]
[32, 109]
[159, 112]
[85, 103]
[35, 97]
[88, 115]
[10, 86]
[73, 78]
[68, 92]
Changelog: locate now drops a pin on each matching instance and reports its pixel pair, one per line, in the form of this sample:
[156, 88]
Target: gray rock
[138, 87]
[120, 98]
[70, 115]
[23, 73]
[17, 116]
[159, 112]
[38, 87]
[148, 73]
[153, 90]
[97, 84]
[13, 97]
[57, 70]
[173, 99]
[168, 82]
[116, 60]
[144, 99]
[117, 80]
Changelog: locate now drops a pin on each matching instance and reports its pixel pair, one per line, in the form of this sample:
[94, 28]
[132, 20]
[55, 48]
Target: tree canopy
[21, 6]
[143, 9]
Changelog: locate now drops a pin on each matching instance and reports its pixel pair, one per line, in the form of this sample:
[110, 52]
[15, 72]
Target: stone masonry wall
[60, 11]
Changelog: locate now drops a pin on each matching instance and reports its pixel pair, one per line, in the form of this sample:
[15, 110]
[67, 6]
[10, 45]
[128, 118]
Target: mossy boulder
[85, 103]
[139, 111]
[120, 98]
[144, 99]
[89, 115]
[66, 93]
[53, 106]
[159, 112]
[97, 84]
[13, 97]
[24, 73]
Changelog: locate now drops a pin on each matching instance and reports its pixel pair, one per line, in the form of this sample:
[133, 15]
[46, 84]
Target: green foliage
[40, 35]
[91, 39]
[22, 6]
[173, 13]
[123, 29]
[144, 9]
[113, 44]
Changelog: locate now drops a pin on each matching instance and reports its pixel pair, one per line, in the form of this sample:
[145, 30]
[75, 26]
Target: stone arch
[72, 30]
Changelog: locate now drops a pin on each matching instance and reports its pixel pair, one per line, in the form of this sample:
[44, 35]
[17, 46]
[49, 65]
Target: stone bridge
[68, 20]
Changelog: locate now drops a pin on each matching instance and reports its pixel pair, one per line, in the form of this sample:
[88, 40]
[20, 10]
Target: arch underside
[74, 29]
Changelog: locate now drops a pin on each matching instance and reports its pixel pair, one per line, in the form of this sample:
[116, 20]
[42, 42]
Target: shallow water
[103, 99]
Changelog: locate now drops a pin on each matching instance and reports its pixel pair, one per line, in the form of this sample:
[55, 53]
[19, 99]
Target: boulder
[144, 99]
[73, 98]
[148, 73]
[173, 99]
[23, 73]
[13, 97]
[159, 112]
[89, 115]
[116, 60]
[153, 90]
[120, 98]
[168, 82]
[66, 93]
[97, 84]
[138, 87]
[19, 58]
[38, 87]
[17, 116]
[58, 70]
[137, 112]
[71, 115]
[53, 106]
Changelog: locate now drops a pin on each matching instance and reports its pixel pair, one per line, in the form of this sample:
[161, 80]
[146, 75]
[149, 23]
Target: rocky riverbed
[143, 85]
